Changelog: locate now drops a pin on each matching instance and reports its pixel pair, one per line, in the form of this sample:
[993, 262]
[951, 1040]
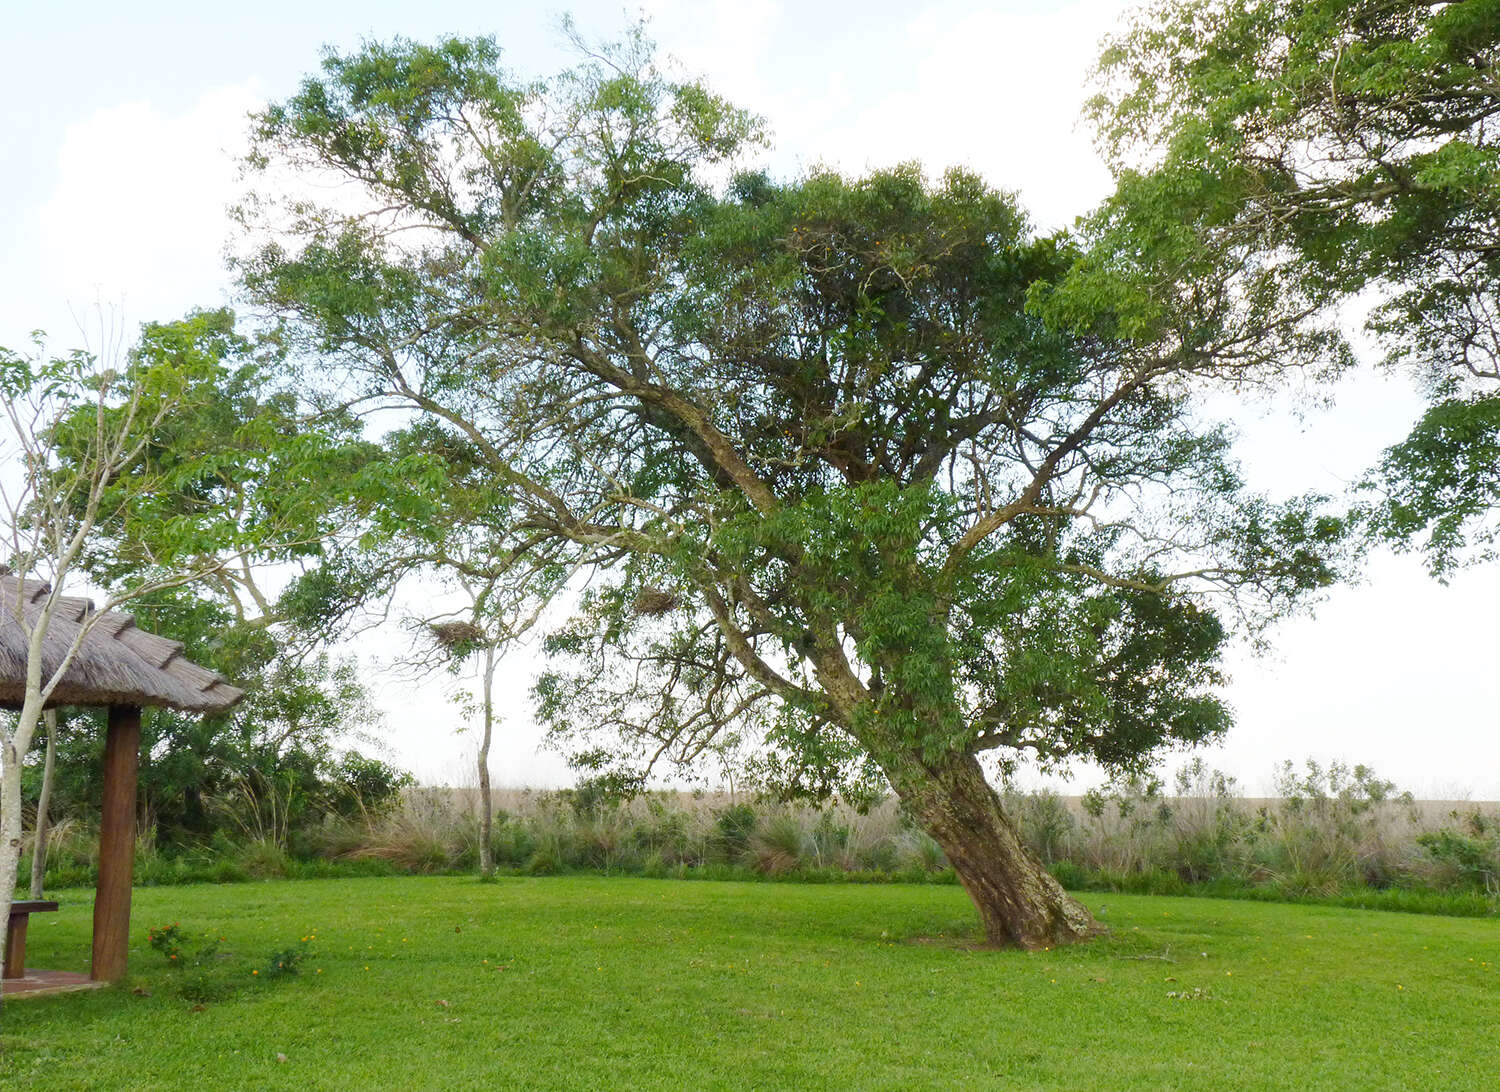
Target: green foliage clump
[1474, 857]
[1354, 146]
[288, 961]
[211, 974]
[735, 825]
[166, 939]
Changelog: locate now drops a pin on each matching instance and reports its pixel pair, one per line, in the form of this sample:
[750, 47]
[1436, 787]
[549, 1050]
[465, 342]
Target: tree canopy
[235, 475]
[861, 464]
[1359, 144]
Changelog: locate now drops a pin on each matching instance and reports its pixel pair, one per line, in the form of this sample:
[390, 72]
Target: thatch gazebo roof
[117, 663]
[124, 669]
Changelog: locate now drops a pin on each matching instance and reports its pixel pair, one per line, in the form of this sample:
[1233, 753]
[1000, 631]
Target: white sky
[122, 121]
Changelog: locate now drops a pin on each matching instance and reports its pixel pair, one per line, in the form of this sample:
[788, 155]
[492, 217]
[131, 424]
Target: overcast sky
[122, 123]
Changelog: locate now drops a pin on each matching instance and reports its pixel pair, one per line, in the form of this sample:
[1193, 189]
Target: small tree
[483, 630]
[243, 442]
[453, 525]
[81, 428]
[43, 805]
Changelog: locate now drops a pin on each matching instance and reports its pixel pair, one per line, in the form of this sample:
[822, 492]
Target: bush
[546, 861]
[917, 850]
[734, 826]
[1044, 822]
[286, 962]
[361, 786]
[779, 846]
[1475, 861]
[264, 860]
[512, 842]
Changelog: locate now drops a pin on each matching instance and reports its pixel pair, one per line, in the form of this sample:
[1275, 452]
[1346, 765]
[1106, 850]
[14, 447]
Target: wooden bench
[15, 934]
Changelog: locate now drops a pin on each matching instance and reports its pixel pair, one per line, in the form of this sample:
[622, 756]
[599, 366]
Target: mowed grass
[580, 982]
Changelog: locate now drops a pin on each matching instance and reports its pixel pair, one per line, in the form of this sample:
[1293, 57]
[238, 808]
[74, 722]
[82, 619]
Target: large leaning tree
[1358, 140]
[861, 465]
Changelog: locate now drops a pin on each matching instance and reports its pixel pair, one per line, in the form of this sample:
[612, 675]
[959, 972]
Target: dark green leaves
[864, 472]
[1441, 484]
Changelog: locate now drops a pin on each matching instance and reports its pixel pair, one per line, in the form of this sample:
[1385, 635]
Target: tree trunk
[14, 743]
[486, 814]
[10, 822]
[44, 800]
[1019, 903]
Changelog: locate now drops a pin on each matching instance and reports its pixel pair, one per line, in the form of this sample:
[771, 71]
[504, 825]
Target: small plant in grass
[203, 978]
[286, 963]
[207, 974]
[170, 942]
[1197, 993]
[166, 939]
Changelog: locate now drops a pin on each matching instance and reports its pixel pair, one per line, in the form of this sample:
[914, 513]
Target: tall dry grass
[1329, 829]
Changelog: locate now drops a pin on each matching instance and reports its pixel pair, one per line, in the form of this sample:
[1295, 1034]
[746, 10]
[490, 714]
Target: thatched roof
[117, 664]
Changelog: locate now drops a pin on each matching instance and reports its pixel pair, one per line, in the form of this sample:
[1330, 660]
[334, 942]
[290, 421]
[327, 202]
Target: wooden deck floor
[37, 982]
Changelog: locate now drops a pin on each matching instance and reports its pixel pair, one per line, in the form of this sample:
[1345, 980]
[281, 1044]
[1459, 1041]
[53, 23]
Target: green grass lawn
[417, 983]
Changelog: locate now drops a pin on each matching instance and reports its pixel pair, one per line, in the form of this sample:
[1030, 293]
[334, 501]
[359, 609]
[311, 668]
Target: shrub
[603, 843]
[1044, 822]
[287, 961]
[918, 850]
[512, 842]
[546, 861]
[166, 939]
[1473, 860]
[362, 786]
[734, 825]
[664, 834]
[263, 859]
[779, 846]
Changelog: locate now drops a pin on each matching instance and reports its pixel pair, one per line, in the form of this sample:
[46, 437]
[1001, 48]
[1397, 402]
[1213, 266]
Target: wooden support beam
[15, 934]
[122, 758]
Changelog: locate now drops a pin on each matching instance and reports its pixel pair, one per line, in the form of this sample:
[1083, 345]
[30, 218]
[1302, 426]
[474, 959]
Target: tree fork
[1020, 904]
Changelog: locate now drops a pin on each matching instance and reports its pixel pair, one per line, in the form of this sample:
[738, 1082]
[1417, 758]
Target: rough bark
[1019, 903]
[44, 801]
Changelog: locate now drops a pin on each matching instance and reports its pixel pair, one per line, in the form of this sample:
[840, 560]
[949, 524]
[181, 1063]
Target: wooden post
[122, 756]
[15, 946]
[15, 935]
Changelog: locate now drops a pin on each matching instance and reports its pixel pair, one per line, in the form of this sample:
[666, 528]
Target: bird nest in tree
[655, 601]
[456, 634]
